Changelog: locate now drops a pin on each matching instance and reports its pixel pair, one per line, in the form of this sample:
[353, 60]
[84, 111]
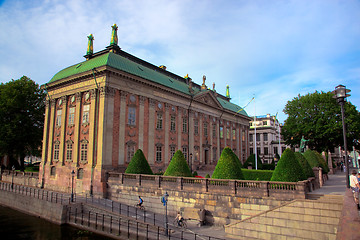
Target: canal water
[18, 226]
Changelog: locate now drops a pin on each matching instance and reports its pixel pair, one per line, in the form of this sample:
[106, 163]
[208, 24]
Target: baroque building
[101, 110]
[268, 137]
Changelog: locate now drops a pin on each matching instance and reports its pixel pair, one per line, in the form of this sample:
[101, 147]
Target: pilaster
[141, 122]
[123, 96]
[167, 132]
[151, 133]
[63, 130]
[77, 128]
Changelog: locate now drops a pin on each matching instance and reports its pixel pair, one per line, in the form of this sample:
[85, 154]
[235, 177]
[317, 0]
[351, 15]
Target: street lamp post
[72, 185]
[341, 95]
[164, 200]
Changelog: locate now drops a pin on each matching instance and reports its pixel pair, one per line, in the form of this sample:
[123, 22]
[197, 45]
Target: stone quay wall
[36, 204]
[225, 201]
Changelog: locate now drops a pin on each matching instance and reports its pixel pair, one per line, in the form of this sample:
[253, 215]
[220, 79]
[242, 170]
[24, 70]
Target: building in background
[267, 138]
[101, 110]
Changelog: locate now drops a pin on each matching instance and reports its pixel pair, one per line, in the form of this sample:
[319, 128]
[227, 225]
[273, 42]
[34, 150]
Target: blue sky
[273, 50]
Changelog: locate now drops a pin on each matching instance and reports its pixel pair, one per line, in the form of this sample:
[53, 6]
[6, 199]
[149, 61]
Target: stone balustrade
[239, 188]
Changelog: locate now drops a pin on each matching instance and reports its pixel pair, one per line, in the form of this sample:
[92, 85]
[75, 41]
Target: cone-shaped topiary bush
[251, 161]
[228, 166]
[322, 163]
[178, 166]
[311, 157]
[305, 165]
[139, 164]
[288, 168]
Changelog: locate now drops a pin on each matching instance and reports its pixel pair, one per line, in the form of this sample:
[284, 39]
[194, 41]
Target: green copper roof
[124, 64]
[231, 106]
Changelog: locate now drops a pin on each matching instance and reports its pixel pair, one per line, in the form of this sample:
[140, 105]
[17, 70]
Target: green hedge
[139, 164]
[305, 165]
[178, 166]
[258, 175]
[228, 166]
[288, 168]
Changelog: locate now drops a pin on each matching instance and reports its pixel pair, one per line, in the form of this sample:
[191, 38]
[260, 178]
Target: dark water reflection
[17, 225]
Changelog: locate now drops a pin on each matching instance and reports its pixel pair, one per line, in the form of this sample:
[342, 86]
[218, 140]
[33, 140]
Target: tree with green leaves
[178, 166]
[288, 168]
[139, 164]
[22, 108]
[228, 166]
[317, 117]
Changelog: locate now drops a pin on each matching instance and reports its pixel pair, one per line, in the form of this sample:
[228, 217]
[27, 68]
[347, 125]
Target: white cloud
[273, 49]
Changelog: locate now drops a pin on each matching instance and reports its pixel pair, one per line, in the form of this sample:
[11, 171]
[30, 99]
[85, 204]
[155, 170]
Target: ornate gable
[208, 98]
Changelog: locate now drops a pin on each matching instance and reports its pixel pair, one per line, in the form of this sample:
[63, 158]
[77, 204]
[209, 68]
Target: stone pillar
[167, 133]
[151, 136]
[77, 126]
[141, 122]
[330, 165]
[122, 124]
[62, 131]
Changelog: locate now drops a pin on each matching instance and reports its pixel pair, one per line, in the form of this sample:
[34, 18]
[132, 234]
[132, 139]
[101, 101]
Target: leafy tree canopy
[178, 166]
[139, 164]
[288, 168]
[228, 166]
[317, 117]
[22, 108]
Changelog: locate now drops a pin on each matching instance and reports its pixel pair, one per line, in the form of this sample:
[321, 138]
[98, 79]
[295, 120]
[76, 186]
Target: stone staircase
[299, 219]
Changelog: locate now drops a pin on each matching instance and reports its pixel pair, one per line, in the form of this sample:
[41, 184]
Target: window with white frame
[71, 116]
[159, 121]
[85, 116]
[196, 127]
[132, 116]
[69, 151]
[56, 151]
[130, 152]
[172, 123]
[158, 153]
[184, 151]
[58, 118]
[214, 130]
[205, 129]
[172, 151]
[83, 152]
[184, 125]
[221, 132]
[234, 134]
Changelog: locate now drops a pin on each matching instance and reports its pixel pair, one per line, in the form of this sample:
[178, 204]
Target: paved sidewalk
[335, 185]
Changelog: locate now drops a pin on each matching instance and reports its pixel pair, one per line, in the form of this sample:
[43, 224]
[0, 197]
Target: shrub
[178, 166]
[288, 168]
[305, 165]
[268, 166]
[260, 175]
[228, 166]
[195, 174]
[207, 176]
[315, 160]
[323, 163]
[311, 157]
[139, 164]
[251, 161]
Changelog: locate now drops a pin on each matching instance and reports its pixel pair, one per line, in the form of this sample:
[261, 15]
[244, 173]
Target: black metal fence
[124, 227]
[126, 221]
